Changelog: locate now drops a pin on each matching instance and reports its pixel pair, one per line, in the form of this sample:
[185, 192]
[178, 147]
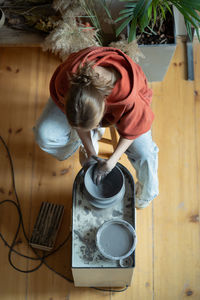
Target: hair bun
[84, 75]
[81, 79]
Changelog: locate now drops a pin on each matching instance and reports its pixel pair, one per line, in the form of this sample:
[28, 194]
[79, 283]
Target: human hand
[88, 162]
[104, 167]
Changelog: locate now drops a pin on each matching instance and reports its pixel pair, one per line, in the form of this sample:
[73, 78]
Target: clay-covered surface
[86, 220]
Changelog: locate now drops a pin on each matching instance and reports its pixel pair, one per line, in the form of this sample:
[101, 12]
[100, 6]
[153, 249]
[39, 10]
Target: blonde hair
[85, 101]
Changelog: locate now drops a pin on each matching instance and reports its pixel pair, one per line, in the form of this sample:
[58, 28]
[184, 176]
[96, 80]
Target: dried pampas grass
[63, 5]
[70, 35]
[131, 49]
[67, 38]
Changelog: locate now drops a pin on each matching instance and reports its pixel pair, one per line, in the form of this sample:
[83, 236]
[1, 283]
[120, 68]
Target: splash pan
[116, 239]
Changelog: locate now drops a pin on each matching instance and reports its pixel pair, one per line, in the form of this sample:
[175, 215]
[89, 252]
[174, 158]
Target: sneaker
[139, 203]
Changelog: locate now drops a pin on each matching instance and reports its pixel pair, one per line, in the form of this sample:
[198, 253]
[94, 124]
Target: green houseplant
[143, 13]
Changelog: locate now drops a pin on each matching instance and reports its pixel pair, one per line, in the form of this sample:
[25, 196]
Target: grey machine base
[89, 267]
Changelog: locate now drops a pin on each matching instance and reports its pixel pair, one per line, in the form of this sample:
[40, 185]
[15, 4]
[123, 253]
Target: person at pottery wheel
[92, 89]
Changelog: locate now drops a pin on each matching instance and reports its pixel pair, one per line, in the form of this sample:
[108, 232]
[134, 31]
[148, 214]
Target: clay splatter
[18, 130]
[10, 130]
[8, 68]
[181, 205]
[65, 171]
[147, 284]
[87, 210]
[194, 218]
[67, 297]
[17, 71]
[53, 173]
[116, 213]
[2, 190]
[189, 292]
[96, 213]
[89, 247]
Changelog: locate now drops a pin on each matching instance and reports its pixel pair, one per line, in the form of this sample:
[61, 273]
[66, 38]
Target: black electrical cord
[21, 224]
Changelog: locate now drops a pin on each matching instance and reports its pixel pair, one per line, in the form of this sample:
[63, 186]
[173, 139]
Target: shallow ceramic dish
[110, 189]
[116, 239]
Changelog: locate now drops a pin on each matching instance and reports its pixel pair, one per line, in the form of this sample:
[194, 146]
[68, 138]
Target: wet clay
[105, 189]
[108, 187]
[116, 240]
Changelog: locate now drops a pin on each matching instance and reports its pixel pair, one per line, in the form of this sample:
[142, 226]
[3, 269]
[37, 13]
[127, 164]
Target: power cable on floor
[39, 258]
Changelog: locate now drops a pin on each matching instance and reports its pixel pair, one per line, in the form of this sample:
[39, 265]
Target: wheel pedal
[46, 226]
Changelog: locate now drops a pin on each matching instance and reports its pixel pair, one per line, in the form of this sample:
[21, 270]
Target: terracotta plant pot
[2, 18]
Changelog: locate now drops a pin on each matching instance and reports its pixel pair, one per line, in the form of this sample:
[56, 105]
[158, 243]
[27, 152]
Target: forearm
[85, 137]
[122, 146]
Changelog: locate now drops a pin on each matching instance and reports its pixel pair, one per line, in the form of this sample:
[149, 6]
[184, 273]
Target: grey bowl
[110, 190]
[116, 239]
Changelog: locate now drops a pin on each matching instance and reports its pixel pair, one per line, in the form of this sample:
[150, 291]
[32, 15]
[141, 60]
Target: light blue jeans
[55, 136]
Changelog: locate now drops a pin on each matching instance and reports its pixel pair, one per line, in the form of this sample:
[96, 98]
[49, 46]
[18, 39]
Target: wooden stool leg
[113, 140]
[113, 137]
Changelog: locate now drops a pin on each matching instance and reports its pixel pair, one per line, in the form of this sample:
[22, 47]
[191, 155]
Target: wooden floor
[168, 249]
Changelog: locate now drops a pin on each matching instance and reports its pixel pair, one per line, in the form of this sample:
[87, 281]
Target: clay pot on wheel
[110, 190]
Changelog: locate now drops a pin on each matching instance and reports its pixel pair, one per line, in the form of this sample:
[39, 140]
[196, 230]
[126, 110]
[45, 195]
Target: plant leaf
[189, 29]
[104, 5]
[168, 7]
[197, 32]
[195, 4]
[123, 11]
[130, 5]
[128, 1]
[154, 15]
[192, 13]
[150, 11]
[162, 11]
[122, 17]
[132, 33]
[123, 25]
[184, 13]
[139, 9]
[143, 22]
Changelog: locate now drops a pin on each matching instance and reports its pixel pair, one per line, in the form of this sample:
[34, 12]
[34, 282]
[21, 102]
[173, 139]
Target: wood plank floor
[168, 249]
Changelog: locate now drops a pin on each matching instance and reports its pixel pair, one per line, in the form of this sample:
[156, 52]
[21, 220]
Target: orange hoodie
[128, 105]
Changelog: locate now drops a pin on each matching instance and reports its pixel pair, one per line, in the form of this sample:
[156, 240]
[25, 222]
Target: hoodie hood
[128, 105]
